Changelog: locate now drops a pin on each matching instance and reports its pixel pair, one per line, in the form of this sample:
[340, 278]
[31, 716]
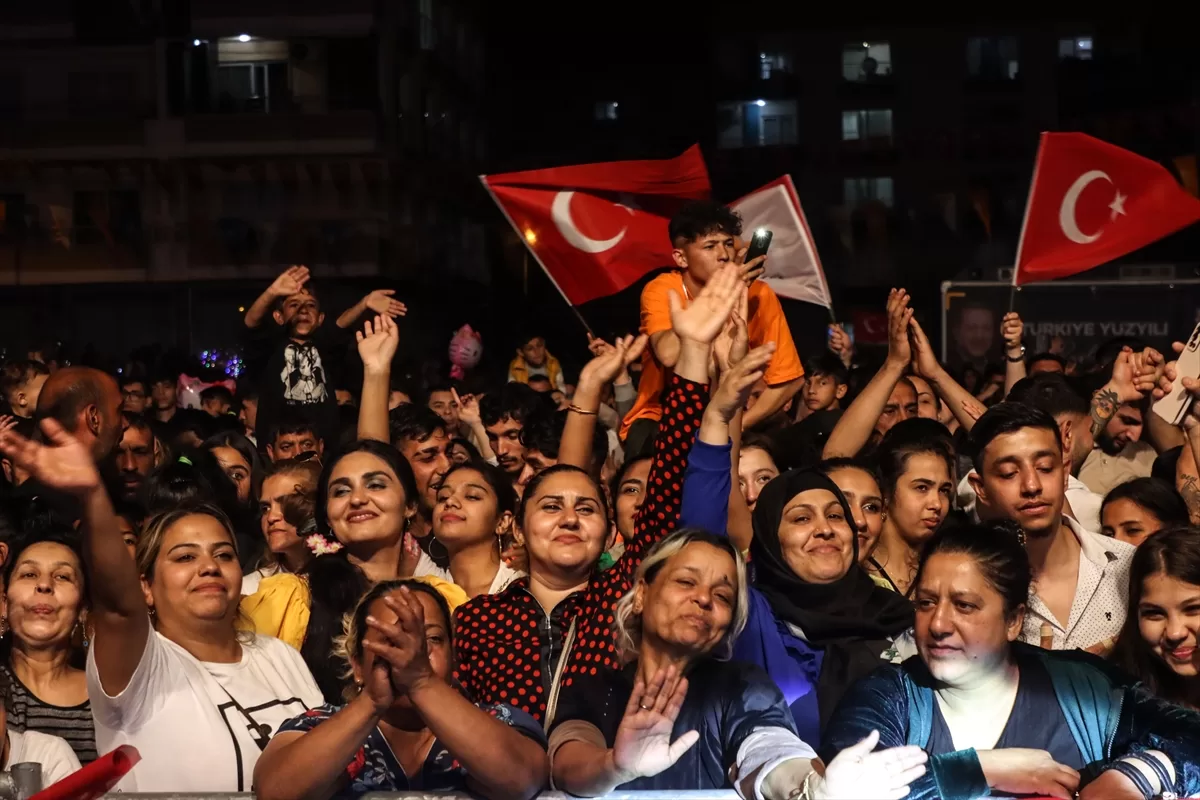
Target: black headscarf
[851, 619]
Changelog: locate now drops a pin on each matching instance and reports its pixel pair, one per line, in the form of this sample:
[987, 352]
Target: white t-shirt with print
[191, 720]
[57, 758]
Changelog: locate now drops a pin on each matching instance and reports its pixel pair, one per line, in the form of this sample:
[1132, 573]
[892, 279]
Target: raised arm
[960, 402]
[379, 301]
[784, 376]
[377, 344]
[854, 429]
[687, 392]
[118, 611]
[468, 412]
[289, 282]
[580, 428]
[1012, 330]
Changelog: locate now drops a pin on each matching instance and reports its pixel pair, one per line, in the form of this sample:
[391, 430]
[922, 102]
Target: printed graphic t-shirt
[200, 726]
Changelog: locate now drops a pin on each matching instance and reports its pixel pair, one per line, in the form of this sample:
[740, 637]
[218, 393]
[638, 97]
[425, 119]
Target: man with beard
[290, 359]
[135, 456]
[505, 414]
[1120, 453]
[1080, 578]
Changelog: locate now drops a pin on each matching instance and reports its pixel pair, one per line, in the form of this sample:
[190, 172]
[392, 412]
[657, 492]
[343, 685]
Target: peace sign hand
[643, 745]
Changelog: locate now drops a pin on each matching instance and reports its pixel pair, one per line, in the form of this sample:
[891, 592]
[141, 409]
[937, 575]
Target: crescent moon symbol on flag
[560, 212]
[1066, 212]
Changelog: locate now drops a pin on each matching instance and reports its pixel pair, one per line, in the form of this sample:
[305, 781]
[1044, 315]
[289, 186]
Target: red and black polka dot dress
[508, 648]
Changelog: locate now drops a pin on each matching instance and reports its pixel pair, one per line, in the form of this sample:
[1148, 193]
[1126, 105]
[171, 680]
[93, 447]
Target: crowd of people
[702, 562]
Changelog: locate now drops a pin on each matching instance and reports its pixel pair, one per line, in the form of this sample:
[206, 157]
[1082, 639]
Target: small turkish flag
[598, 228]
[1092, 202]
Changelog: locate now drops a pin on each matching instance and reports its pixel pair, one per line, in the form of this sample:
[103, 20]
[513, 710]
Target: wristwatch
[1019, 357]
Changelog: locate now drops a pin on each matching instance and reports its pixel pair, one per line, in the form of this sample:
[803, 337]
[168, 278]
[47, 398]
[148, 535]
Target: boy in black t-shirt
[290, 359]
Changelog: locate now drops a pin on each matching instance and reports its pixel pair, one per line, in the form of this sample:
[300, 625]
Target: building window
[863, 62]
[858, 191]
[606, 111]
[993, 57]
[1080, 47]
[758, 123]
[427, 31]
[251, 87]
[771, 63]
[867, 124]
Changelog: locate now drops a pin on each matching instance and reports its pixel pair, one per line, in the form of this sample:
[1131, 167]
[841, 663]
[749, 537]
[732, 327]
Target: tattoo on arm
[1104, 407]
[1189, 490]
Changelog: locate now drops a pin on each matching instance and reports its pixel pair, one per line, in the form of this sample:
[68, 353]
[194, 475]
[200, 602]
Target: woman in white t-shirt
[474, 510]
[196, 698]
[57, 758]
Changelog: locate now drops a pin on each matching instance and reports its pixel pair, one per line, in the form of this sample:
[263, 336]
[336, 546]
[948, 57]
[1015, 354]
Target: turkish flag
[598, 228]
[1092, 202]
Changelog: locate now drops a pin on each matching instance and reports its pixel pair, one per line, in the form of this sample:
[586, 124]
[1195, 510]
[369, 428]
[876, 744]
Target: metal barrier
[721, 794]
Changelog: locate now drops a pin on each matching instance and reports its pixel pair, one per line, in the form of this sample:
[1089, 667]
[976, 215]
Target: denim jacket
[1109, 718]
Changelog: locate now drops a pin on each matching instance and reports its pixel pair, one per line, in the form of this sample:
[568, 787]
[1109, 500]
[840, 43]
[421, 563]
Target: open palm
[290, 281]
[377, 343]
[706, 316]
[643, 744]
[609, 359]
[62, 463]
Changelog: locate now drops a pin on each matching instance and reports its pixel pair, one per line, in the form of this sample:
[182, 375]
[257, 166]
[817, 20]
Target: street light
[530, 236]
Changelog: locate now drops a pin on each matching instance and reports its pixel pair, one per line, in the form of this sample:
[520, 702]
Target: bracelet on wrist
[579, 410]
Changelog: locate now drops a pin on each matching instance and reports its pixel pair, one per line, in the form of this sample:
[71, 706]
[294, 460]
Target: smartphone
[759, 242]
[1174, 406]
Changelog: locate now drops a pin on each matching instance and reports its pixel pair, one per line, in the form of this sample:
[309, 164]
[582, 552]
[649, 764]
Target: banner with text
[1082, 314]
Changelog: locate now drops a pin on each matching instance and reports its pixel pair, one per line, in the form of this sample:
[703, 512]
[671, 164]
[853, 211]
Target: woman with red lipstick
[916, 465]
[46, 602]
[474, 510]
[1160, 643]
[999, 717]
[181, 680]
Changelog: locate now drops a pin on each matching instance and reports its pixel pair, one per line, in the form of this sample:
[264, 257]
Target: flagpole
[529, 249]
[1037, 165]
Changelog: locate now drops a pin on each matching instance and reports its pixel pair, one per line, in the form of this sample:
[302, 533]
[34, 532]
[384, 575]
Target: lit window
[756, 123]
[1080, 47]
[863, 62]
[858, 191]
[771, 63]
[607, 111]
[867, 124]
[993, 57]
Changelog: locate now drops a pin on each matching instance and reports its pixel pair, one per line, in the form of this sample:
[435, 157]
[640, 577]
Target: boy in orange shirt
[704, 239]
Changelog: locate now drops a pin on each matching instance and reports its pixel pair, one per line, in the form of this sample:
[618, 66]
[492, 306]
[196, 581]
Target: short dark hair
[699, 218]
[502, 485]
[1051, 393]
[540, 379]
[829, 365]
[515, 401]
[830, 465]
[64, 536]
[217, 392]
[1055, 357]
[138, 422]
[759, 441]
[19, 372]
[130, 380]
[290, 423]
[998, 552]
[906, 439]
[1153, 494]
[411, 421]
[1006, 417]
[543, 433]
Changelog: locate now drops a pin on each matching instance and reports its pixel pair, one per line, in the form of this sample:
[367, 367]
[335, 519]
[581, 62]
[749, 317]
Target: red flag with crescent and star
[598, 228]
[1091, 202]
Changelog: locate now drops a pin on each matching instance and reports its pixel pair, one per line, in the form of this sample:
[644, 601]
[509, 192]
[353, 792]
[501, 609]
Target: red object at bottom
[94, 780]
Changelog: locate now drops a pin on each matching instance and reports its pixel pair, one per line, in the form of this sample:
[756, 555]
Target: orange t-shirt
[766, 324]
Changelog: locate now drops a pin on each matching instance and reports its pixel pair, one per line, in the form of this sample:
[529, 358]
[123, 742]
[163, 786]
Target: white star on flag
[1118, 205]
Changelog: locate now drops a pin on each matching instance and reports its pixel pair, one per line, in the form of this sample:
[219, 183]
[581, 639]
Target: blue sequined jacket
[1108, 718]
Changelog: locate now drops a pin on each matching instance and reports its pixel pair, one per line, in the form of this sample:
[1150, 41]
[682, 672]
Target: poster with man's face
[1072, 318]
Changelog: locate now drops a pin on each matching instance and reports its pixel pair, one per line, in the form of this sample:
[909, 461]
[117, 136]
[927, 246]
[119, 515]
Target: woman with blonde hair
[679, 716]
[181, 679]
[403, 726]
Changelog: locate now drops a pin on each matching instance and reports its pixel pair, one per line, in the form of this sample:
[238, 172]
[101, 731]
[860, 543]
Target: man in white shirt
[1080, 578]
[1052, 393]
